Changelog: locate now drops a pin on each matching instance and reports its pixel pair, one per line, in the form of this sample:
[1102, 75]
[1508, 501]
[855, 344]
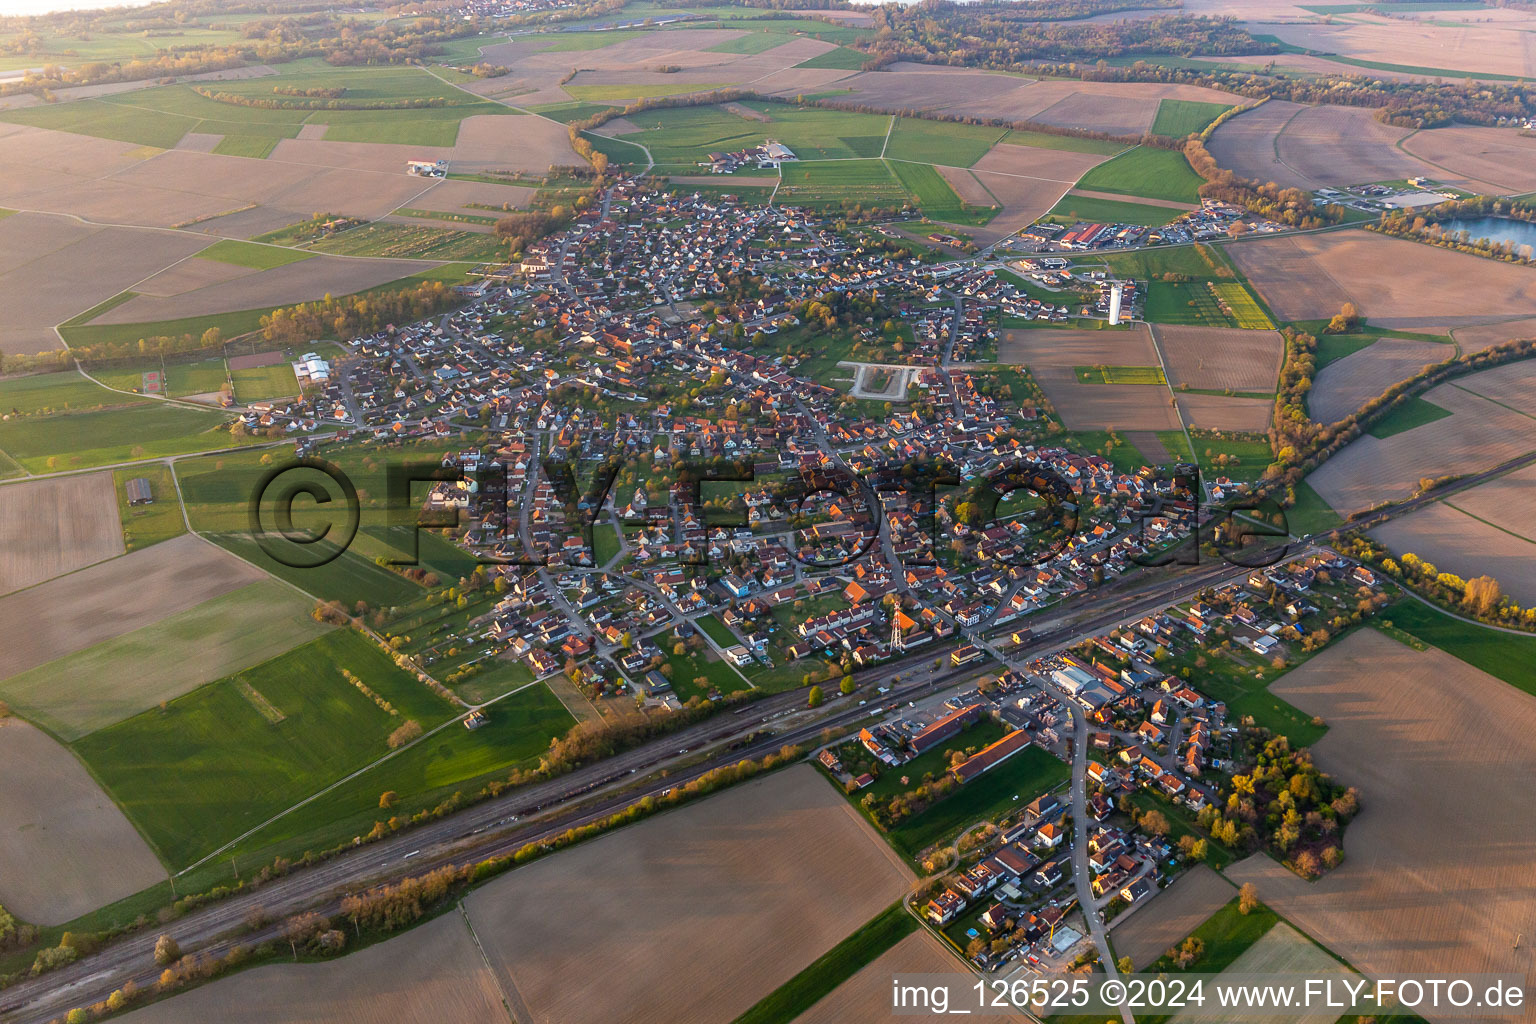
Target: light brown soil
[1475, 339]
[1218, 412]
[1501, 156]
[490, 143]
[1056, 165]
[1052, 354]
[1480, 433]
[292, 282]
[256, 360]
[692, 915]
[1025, 200]
[199, 142]
[1344, 386]
[455, 196]
[1150, 446]
[430, 975]
[967, 187]
[72, 613]
[1392, 281]
[65, 848]
[1216, 358]
[312, 131]
[1345, 146]
[1178, 910]
[1457, 542]
[917, 87]
[189, 275]
[865, 998]
[1437, 749]
[50, 527]
[1280, 951]
[379, 157]
[1509, 385]
[1493, 49]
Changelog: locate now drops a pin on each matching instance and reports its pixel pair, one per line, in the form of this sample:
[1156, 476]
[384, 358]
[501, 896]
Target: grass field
[1509, 657]
[245, 254]
[868, 182]
[1333, 347]
[844, 58]
[832, 968]
[518, 729]
[1227, 934]
[413, 241]
[258, 383]
[574, 42]
[934, 195]
[1150, 173]
[82, 440]
[1111, 211]
[55, 392]
[717, 631]
[1310, 514]
[1252, 458]
[161, 519]
[1415, 412]
[1005, 788]
[179, 380]
[941, 142]
[1120, 374]
[215, 762]
[253, 147]
[1178, 118]
[682, 137]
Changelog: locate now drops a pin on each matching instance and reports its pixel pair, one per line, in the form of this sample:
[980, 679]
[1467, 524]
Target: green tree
[846, 686]
[814, 698]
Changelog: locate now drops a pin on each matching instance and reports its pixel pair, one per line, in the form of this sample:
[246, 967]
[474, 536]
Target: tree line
[306, 102]
[1427, 226]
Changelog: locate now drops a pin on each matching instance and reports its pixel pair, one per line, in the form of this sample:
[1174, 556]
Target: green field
[679, 138]
[1111, 211]
[81, 440]
[1508, 656]
[1246, 312]
[254, 147]
[1333, 347]
[836, 183]
[1178, 118]
[121, 677]
[573, 42]
[1120, 375]
[1414, 412]
[161, 116]
[518, 729]
[1253, 457]
[1146, 172]
[844, 58]
[230, 754]
[832, 968]
[259, 383]
[247, 254]
[179, 379]
[412, 241]
[161, 519]
[933, 194]
[947, 143]
[55, 392]
[1147, 263]
[697, 664]
[1184, 303]
[1124, 454]
[717, 631]
[605, 543]
[1005, 788]
[1226, 934]
[1310, 514]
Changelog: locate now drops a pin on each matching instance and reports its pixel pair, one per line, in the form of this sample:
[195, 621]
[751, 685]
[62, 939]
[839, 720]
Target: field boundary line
[1492, 525]
[506, 999]
[1495, 401]
[888, 130]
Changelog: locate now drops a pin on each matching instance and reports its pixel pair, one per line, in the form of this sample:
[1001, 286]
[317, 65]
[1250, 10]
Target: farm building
[311, 369]
[139, 491]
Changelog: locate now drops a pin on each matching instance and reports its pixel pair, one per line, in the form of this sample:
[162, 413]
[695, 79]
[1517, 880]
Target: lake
[1496, 229]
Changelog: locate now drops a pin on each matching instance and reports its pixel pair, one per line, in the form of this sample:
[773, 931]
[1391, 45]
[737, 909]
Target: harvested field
[1054, 165]
[1178, 910]
[199, 142]
[904, 86]
[50, 527]
[1493, 49]
[65, 848]
[492, 143]
[967, 187]
[1150, 447]
[54, 268]
[1219, 412]
[293, 282]
[1475, 339]
[116, 597]
[726, 898]
[1426, 738]
[455, 197]
[1395, 286]
[1052, 356]
[1500, 156]
[429, 975]
[865, 998]
[378, 157]
[190, 275]
[118, 678]
[1508, 503]
[1342, 387]
[1216, 358]
[1117, 115]
[1455, 541]
[1509, 385]
[1478, 434]
[1281, 950]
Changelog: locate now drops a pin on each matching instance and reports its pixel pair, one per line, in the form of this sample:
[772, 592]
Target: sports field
[258, 383]
[228, 755]
[1010, 785]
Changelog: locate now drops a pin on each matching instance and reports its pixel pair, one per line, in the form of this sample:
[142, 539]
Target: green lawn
[161, 519]
[717, 631]
[836, 183]
[253, 147]
[1510, 657]
[1005, 788]
[572, 42]
[259, 383]
[1178, 118]
[1111, 211]
[230, 754]
[1310, 514]
[1226, 934]
[844, 58]
[517, 730]
[1147, 172]
[247, 254]
[696, 664]
[605, 543]
[1333, 347]
[947, 143]
[831, 969]
[1415, 412]
[1253, 456]
[81, 440]
[1124, 455]
[935, 196]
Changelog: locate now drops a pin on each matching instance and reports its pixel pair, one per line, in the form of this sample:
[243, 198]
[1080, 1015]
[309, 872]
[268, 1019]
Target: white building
[311, 369]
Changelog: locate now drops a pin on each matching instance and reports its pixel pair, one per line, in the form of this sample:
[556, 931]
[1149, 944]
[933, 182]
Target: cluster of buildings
[767, 156]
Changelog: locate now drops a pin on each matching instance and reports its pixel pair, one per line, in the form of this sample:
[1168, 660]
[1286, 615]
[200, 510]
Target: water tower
[1116, 294]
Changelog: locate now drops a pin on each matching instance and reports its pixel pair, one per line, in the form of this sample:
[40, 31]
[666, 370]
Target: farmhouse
[139, 492]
